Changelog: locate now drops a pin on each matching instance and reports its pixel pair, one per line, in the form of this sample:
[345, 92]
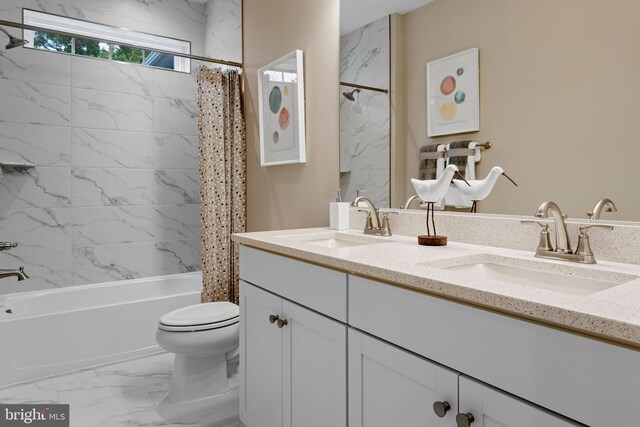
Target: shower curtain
[221, 134]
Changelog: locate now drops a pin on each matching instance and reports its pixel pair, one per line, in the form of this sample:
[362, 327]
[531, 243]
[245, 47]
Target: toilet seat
[201, 317]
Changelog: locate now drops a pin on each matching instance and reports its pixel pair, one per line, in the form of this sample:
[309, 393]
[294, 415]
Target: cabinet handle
[441, 408]
[464, 420]
[282, 323]
[273, 318]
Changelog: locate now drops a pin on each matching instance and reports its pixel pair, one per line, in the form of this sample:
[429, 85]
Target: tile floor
[121, 394]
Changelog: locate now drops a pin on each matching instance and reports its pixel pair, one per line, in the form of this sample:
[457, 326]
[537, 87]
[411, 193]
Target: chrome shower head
[13, 41]
[351, 94]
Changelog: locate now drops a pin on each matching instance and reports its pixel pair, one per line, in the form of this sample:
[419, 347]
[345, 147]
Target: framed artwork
[281, 111]
[453, 94]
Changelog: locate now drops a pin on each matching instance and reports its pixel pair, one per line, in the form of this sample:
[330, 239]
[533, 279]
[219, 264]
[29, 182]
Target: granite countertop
[611, 314]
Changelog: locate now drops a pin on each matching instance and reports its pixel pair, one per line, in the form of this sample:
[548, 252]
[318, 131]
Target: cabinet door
[392, 387]
[492, 408]
[260, 358]
[315, 369]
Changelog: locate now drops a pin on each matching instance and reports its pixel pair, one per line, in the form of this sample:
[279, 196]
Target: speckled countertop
[612, 314]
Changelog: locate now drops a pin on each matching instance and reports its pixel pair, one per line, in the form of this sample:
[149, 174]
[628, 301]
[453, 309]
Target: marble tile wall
[365, 126]
[224, 29]
[115, 191]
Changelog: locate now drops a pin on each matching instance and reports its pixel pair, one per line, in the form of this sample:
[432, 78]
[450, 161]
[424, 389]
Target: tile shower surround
[365, 135]
[115, 191]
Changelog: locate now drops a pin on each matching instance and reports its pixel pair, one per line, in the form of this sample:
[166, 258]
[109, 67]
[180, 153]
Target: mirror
[558, 85]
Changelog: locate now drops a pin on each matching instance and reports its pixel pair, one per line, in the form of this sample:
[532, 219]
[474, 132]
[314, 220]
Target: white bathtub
[50, 332]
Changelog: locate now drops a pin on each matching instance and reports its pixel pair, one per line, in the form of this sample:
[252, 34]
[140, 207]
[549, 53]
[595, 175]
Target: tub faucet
[562, 236]
[603, 204]
[19, 273]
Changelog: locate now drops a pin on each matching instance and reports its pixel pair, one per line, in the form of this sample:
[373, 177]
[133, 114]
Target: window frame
[107, 34]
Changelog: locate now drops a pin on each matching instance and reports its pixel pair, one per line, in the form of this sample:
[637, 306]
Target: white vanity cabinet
[293, 363]
[408, 350]
[389, 386]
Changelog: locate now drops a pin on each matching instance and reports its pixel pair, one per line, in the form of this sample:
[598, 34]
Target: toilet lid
[211, 315]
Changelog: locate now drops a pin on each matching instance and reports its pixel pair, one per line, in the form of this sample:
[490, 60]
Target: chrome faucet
[562, 236]
[583, 253]
[603, 204]
[381, 228]
[410, 200]
[19, 273]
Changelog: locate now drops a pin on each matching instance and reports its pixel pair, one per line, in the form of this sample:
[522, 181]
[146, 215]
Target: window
[114, 44]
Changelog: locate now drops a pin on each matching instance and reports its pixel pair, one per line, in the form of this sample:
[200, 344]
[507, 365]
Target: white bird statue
[432, 190]
[479, 189]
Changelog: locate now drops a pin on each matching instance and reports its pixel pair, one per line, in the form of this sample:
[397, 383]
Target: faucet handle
[545, 240]
[544, 226]
[584, 247]
[585, 228]
[385, 229]
[368, 225]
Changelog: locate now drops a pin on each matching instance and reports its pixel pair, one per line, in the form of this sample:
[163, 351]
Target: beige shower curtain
[223, 173]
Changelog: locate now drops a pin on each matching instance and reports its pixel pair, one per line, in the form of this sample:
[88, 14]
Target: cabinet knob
[282, 323]
[273, 318]
[441, 408]
[464, 420]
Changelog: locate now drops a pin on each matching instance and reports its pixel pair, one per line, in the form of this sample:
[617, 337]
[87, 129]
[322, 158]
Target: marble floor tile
[121, 394]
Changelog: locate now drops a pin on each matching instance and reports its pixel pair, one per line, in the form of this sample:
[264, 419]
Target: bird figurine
[479, 189]
[430, 191]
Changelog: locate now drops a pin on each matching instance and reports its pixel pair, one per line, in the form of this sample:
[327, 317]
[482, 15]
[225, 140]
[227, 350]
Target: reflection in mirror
[365, 113]
[558, 100]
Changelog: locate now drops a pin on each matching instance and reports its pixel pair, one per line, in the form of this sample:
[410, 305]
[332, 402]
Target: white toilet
[204, 381]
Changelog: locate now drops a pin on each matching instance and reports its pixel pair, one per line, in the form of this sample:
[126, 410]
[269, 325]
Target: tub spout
[19, 273]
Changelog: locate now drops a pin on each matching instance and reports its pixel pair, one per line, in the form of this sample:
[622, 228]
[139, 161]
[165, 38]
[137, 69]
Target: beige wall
[560, 92]
[294, 196]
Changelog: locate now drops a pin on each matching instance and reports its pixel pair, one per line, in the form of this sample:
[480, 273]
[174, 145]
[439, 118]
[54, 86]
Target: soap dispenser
[339, 214]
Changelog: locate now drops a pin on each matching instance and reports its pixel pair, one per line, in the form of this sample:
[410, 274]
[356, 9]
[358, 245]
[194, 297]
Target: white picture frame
[281, 111]
[453, 94]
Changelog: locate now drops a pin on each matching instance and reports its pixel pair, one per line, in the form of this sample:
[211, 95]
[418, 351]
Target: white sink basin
[568, 279]
[336, 239]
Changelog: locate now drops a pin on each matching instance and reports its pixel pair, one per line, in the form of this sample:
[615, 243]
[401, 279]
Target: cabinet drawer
[490, 407]
[566, 373]
[318, 288]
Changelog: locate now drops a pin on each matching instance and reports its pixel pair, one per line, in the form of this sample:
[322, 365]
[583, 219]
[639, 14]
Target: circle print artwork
[284, 118]
[448, 85]
[448, 110]
[275, 99]
[459, 97]
[275, 137]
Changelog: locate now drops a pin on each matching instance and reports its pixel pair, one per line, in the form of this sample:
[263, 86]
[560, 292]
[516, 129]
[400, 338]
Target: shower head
[13, 41]
[351, 94]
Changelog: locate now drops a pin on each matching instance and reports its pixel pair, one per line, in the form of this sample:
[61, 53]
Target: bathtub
[50, 332]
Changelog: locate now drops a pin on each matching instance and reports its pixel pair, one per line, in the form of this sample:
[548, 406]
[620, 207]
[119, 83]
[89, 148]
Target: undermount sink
[335, 239]
[564, 278]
